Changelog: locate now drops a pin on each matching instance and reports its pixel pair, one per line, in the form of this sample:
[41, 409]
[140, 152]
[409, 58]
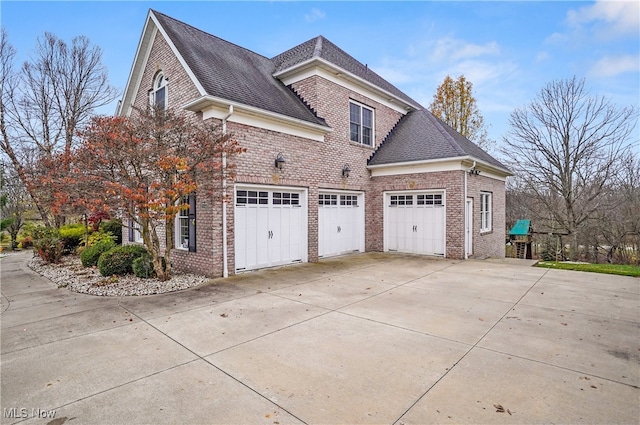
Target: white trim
[385, 215]
[243, 114]
[182, 214]
[360, 86]
[190, 73]
[372, 138]
[325, 69]
[459, 163]
[137, 67]
[468, 227]
[304, 204]
[145, 45]
[361, 214]
[488, 214]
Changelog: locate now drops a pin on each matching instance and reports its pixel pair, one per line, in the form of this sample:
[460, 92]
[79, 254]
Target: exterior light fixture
[346, 170]
[474, 171]
[279, 162]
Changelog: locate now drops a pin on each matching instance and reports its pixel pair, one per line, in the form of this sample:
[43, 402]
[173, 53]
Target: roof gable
[319, 48]
[222, 69]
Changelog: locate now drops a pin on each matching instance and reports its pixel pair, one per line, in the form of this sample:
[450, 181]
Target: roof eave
[152, 25]
[207, 101]
[301, 67]
[466, 160]
[137, 67]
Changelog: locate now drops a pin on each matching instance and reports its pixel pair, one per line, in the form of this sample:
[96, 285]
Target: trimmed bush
[119, 260]
[71, 236]
[90, 256]
[143, 267]
[115, 228]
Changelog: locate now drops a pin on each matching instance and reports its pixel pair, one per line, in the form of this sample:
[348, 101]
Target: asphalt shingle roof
[320, 47]
[420, 136]
[231, 72]
[234, 73]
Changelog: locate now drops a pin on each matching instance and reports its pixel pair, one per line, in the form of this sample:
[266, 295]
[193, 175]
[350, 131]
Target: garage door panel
[269, 227]
[340, 223]
[414, 222]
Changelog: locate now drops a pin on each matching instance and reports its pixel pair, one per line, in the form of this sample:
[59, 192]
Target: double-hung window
[186, 224]
[360, 124]
[485, 212]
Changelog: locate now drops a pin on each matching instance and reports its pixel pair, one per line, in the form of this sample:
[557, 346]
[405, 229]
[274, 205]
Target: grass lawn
[622, 270]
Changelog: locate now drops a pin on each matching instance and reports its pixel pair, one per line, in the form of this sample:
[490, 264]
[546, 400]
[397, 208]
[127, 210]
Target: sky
[508, 50]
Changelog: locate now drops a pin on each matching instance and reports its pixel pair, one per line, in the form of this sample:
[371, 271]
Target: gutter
[225, 248]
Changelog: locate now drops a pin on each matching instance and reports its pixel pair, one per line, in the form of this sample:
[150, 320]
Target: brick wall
[314, 166]
[207, 259]
[489, 244]
[451, 181]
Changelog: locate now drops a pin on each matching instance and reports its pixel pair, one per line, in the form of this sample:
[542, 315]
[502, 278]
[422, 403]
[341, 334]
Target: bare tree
[567, 147]
[45, 104]
[14, 203]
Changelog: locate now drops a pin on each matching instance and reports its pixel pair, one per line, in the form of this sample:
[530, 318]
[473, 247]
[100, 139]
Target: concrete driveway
[363, 339]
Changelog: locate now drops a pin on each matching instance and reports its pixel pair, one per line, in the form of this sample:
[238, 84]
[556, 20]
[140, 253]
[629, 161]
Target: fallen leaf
[499, 408]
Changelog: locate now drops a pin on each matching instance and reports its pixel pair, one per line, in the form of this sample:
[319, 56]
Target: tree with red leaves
[145, 165]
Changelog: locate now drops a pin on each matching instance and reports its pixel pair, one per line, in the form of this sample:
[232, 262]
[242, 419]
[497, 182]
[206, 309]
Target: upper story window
[485, 212]
[361, 124]
[158, 95]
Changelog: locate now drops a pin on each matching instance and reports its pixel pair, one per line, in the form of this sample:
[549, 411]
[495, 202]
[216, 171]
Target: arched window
[158, 95]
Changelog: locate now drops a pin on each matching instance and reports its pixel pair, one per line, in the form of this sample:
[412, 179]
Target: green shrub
[26, 242]
[143, 267]
[115, 228]
[72, 235]
[100, 236]
[48, 244]
[90, 255]
[119, 260]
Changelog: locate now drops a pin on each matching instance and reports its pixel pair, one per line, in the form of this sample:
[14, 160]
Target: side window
[186, 224]
[485, 212]
[158, 94]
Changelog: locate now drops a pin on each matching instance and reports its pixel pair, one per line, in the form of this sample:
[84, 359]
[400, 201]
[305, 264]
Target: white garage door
[270, 227]
[340, 223]
[415, 222]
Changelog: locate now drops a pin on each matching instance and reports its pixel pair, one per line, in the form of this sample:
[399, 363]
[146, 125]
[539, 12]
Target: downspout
[466, 212]
[225, 250]
[466, 218]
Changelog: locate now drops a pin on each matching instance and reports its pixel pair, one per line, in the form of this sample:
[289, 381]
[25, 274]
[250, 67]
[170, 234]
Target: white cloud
[609, 19]
[611, 66]
[542, 56]
[314, 15]
[454, 49]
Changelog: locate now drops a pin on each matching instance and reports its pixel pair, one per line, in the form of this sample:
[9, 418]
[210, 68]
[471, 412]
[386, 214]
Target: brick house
[338, 160]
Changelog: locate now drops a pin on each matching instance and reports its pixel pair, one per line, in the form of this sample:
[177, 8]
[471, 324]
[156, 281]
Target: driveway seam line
[199, 357]
[470, 350]
[118, 386]
[581, 372]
